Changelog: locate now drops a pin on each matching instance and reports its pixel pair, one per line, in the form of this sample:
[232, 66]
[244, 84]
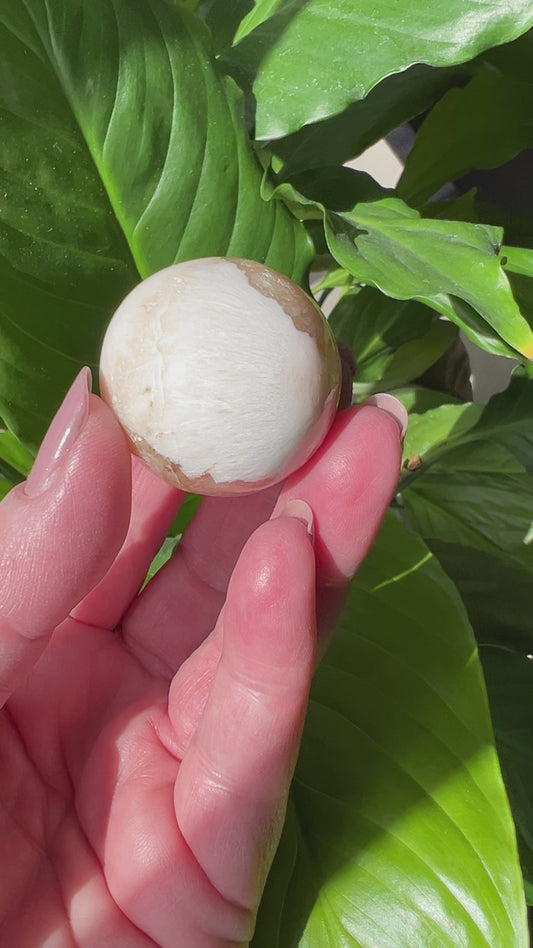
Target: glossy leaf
[398, 831]
[122, 150]
[511, 59]
[479, 127]
[223, 19]
[452, 267]
[464, 504]
[14, 454]
[419, 399]
[505, 422]
[518, 260]
[473, 485]
[508, 419]
[509, 678]
[391, 103]
[338, 189]
[329, 56]
[393, 341]
[497, 595]
[451, 373]
[432, 434]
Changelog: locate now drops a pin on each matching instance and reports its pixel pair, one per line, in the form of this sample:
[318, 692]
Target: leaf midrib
[52, 61]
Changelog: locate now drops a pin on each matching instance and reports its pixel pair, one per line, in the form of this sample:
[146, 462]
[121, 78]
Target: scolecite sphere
[223, 373]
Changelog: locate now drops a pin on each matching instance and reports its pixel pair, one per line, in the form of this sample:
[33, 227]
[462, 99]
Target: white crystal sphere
[223, 373]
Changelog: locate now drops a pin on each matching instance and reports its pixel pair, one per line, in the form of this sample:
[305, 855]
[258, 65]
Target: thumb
[60, 530]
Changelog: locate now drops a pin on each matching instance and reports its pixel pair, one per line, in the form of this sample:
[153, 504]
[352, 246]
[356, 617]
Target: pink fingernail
[393, 407]
[300, 510]
[62, 434]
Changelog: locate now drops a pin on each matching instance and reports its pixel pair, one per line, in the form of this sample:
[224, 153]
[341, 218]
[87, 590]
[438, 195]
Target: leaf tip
[527, 351]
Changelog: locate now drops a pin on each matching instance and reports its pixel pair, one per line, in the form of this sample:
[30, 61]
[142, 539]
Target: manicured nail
[61, 435]
[299, 510]
[393, 407]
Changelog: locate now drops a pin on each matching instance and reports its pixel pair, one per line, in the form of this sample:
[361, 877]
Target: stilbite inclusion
[223, 373]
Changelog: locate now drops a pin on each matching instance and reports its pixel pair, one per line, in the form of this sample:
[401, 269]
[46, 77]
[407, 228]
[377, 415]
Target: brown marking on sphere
[304, 312]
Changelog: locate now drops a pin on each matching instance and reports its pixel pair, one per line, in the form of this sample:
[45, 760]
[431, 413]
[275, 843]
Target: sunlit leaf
[309, 59]
[479, 127]
[122, 150]
[398, 831]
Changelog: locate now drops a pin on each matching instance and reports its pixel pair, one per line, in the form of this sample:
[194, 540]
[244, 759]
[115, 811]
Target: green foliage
[130, 140]
[397, 809]
[331, 55]
[134, 135]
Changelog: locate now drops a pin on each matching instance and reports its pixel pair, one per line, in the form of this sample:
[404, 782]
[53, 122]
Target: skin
[148, 740]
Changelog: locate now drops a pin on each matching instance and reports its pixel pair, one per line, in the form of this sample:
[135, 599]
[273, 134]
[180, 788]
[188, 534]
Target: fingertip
[348, 483]
[391, 406]
[58, 542]
[269, 616]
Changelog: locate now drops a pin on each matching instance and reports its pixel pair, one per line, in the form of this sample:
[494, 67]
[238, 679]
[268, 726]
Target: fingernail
[61, 435]
[393, 407]
[299, 510]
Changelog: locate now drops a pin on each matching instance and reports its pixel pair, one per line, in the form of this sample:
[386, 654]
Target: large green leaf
[398, 831]
[463, 504]
[432, 434]
[508, 419]
[389, 104]
[122, 150]
[512, 59]
[223, 18]
[419, 399]
[14, 455]
[453, 267]
[474, 485]
[505, 422]
[481, 126]
[309, 59]
[497, 595]
[393, 341]
[509, 678]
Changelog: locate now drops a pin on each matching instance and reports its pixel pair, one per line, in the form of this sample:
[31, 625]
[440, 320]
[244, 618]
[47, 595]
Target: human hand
[148, 740]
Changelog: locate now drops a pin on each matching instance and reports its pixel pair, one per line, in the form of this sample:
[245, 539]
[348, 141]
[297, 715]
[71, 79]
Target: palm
[146, 770]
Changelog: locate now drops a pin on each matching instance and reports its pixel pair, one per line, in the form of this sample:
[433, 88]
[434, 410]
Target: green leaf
[497, 595]
[452, 267]
[511, 59]
[418, 399]
[518, 260]
[508, 419]
[5, 487]
[391, 103]
[309, 59]
[122, 150]
[430, 435]
[393, 341]
[181, 522]
[451, 373]
[491, 512]
[398, 831]
[509, 678]
[14, 454]
[338, 189]
[223, 19]
[518, 228]
[162, 556]
[185, 514]
[475, 484]
[479, 127]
